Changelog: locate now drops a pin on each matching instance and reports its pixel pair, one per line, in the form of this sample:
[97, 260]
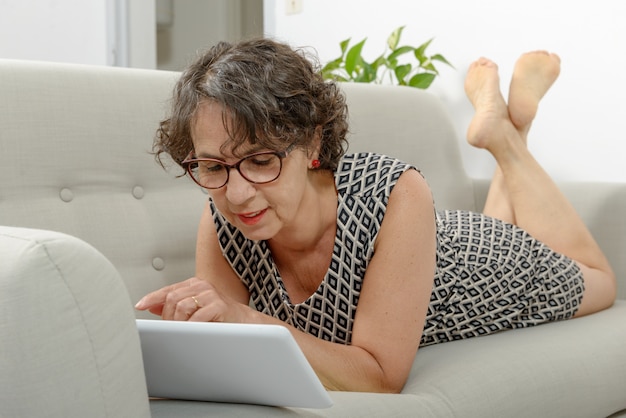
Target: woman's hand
[193, 300]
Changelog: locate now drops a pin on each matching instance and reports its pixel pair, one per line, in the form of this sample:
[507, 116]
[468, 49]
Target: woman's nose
[238, 189]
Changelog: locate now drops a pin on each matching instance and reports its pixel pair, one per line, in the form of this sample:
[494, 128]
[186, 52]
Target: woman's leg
[538, 205]
[534, 74]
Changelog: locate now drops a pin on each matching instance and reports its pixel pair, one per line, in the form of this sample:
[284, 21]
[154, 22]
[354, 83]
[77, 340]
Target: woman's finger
[186, 308]
[158, 297]
[176, 305]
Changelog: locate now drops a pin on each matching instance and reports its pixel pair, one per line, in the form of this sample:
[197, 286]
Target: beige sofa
[91, 223]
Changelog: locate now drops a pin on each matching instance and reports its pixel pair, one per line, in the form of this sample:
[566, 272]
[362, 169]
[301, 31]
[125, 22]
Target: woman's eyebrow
[220, 157]
[207, 155]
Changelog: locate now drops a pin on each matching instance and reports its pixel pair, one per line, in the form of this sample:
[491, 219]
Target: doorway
[186, 27]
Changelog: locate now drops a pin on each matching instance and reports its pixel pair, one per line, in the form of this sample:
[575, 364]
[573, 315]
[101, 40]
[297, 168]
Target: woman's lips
[251, 218]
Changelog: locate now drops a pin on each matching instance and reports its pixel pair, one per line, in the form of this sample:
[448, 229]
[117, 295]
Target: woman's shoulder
[361, 157]
[365, 163]
[368, 173]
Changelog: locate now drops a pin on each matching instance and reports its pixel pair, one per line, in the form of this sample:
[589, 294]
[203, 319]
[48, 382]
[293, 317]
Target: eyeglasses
[257, 168]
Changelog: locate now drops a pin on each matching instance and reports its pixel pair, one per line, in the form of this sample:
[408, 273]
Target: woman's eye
[263, 159]
[210, 168]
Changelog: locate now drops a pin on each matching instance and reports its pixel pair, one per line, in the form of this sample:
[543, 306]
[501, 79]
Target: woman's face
[259, 211]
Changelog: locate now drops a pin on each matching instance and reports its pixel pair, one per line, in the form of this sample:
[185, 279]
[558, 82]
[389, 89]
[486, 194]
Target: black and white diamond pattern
[364, 183]
[490, 275]
[493, 276]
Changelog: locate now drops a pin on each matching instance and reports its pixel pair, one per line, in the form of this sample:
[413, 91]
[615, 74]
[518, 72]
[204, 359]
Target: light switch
[293, 7]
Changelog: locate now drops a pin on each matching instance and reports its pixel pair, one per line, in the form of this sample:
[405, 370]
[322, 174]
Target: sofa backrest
[414, 126]
[75, 157]
[75, 148]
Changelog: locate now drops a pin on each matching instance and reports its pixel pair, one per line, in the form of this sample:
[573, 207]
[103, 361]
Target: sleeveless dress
[490, 275]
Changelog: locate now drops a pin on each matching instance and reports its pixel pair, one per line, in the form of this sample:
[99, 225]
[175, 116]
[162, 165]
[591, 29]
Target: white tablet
[219, 362]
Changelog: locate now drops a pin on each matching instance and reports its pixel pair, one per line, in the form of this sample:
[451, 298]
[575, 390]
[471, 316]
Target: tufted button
[138, 192]
[66, 195]
[158, 263]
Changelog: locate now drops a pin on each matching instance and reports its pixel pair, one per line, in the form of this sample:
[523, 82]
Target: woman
[307, 234]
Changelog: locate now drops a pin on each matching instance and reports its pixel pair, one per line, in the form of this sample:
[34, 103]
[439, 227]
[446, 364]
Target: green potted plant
[419, 72]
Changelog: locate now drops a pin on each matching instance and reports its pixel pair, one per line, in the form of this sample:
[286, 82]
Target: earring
[315, 163]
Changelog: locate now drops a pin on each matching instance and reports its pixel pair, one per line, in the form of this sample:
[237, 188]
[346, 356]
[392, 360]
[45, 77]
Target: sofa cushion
[574, 368]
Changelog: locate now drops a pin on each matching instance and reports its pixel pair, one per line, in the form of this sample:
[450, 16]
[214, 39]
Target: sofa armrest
[602, 206]
[68, 337]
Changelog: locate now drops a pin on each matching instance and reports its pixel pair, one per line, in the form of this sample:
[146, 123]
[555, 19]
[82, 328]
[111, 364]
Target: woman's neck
[316, 218]
[304, 256]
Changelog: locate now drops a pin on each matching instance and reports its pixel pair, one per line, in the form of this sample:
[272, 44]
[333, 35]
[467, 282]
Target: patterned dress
[490, 275]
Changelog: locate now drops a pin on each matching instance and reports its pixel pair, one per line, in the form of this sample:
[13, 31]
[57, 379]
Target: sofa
[90, 223]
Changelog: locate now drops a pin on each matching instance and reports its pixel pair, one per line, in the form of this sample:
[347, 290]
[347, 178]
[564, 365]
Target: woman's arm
[214, 281]
[212, 266]
[392, 305]
[394, 299]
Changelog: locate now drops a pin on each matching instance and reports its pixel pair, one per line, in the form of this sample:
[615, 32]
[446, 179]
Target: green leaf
[367, 75]
[378, 62]
[440, 58]
[401, 71]
[337, 77]
[327, 72]
[394, 38]
[422, 80]
[429, 66]
[400, 51]
[420, 51]
[332, 65]
[353, 58]
[344, 46]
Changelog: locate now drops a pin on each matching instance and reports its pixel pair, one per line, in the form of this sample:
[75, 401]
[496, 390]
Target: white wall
[97, 32]
[580, 130]
[49, 30]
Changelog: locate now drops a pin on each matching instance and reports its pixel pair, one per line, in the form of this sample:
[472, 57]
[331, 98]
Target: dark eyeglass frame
[189, 162]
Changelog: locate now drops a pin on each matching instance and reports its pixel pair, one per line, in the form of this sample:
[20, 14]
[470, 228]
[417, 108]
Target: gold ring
[196, 301]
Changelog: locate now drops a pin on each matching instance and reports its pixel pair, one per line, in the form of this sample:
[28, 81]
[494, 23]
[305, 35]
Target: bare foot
[491, 120]
[533, 75]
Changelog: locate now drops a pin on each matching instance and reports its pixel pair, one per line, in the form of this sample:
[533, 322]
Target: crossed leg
[522, 192]
[534, 74]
